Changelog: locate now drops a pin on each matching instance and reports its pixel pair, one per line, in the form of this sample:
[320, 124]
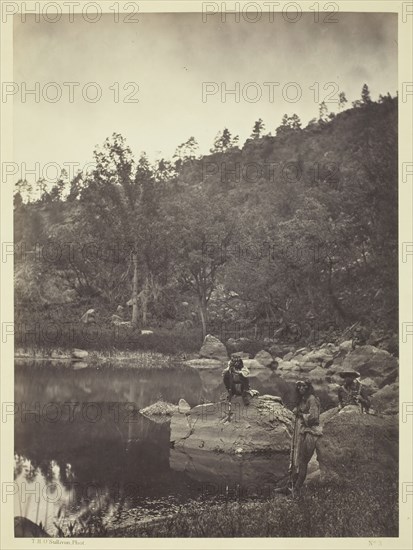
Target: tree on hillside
[224, 141]
[164, 172]
[258, 129]
[288, 124]
[342, 100]
[323, 113]
[189, 150]
[365, 95]
[112, 199]
[25, 190]
[58, 189]
[202, 232]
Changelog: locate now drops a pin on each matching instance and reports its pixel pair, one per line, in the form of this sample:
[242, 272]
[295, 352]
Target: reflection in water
[40, 497]
[82, 444]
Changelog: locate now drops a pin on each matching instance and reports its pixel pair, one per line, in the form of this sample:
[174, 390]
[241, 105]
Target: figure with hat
[352, 392]
[307, 431]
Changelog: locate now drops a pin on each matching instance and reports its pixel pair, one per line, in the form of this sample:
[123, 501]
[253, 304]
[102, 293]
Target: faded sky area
[169, 57]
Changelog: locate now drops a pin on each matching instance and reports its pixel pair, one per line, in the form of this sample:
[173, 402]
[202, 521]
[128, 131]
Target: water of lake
[83, 450]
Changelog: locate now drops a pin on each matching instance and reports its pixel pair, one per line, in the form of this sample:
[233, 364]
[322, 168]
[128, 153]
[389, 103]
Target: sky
[170, 61]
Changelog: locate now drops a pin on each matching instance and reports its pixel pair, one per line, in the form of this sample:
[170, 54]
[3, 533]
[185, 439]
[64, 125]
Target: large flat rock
[264, 425]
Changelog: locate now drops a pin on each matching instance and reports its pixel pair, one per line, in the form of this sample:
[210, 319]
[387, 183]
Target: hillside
[293, 230]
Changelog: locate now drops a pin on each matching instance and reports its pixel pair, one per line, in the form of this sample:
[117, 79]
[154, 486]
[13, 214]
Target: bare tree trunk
[144, 301]
[135, 290]
[204, 317]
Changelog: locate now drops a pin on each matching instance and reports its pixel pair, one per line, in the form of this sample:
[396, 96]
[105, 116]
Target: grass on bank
[363, 507]
[46, 341]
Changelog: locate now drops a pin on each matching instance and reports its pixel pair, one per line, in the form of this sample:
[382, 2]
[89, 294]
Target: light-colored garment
[306, 433]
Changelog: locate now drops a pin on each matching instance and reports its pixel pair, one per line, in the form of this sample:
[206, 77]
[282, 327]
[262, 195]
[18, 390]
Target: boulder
[120, 310]
[264, 425]
[370, 385]
[346, 346]
[317, 375]
[318, 357]
[183, 406]
[386, 400]
[288, 366]
[212, 348]
[308, 366]
[265, 358]
[371, 362]
[276, 350]
[146, 332]
[288, 356]
[79, 353]
[355, 442]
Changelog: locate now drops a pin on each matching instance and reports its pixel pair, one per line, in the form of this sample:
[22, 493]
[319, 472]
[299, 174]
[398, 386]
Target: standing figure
[236, 379]
[352, 392]
[307, 430]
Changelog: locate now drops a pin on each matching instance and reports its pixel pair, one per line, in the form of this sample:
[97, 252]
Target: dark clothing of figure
[236, 382]
[355, 394]
[306, 434]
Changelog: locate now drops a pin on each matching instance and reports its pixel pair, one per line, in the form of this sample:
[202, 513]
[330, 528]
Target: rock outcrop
[264, 425]
[322, 367]
[212, 348]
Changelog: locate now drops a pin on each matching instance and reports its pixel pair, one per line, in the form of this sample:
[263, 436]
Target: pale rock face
[183, 406]
[346, 346]
[79, 353]
[212, 348]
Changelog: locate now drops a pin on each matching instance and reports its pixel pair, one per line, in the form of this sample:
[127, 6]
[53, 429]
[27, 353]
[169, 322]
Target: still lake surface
[83, 449]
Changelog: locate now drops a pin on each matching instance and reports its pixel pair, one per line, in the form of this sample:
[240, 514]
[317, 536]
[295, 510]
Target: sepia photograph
[205, 323]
